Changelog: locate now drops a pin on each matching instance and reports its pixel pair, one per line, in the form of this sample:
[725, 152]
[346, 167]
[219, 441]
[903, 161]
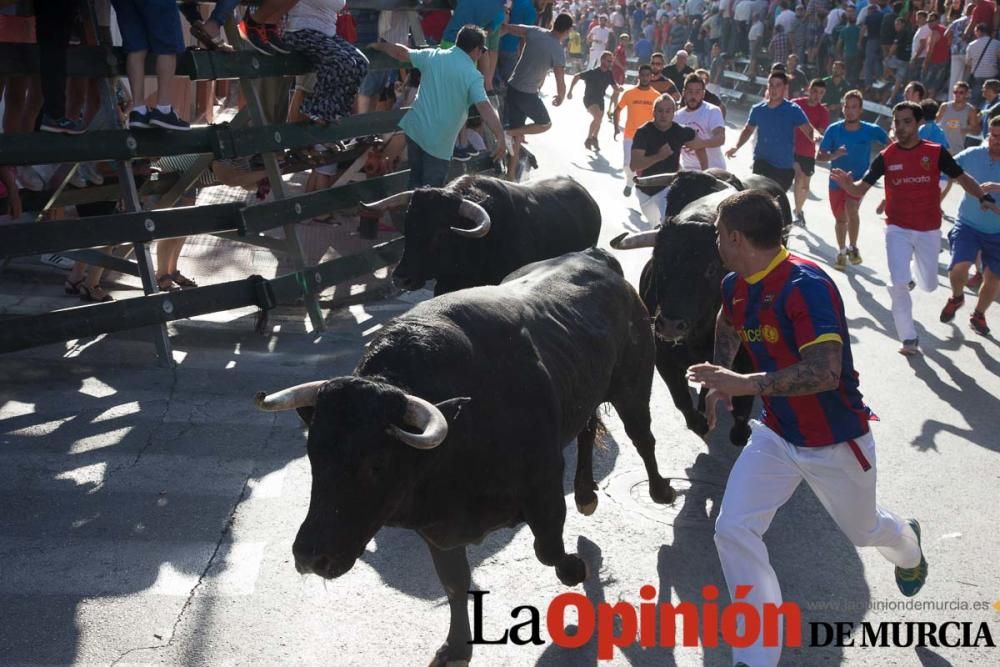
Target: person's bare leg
[800, 188]
[840, 229]
[294, 115]
[853, 220]
[595, 123]
[135, 67]
[990, 290]
[166, 66]
[958, 277]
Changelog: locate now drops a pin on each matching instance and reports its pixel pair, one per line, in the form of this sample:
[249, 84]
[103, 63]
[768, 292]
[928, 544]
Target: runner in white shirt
[707, 122]
[598, 38]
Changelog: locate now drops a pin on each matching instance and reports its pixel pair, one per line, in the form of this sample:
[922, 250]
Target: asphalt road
[148, 514]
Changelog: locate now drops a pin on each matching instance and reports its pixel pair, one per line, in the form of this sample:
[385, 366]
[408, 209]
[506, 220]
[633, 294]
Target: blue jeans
[425, 169]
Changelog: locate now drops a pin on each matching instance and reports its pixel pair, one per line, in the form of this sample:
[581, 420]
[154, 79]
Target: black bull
[681, 285]
[478, 229]
[516, 371]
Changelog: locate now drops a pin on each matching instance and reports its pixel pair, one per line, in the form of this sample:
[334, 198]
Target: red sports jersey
[779, 312]
[912, 194]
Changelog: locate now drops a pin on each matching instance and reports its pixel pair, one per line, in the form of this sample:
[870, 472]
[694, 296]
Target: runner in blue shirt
[775, 121]
[976, 231]
[848, 143]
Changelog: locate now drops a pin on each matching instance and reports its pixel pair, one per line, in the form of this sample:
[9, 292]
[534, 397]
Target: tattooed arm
[818, 371]
[727, 341]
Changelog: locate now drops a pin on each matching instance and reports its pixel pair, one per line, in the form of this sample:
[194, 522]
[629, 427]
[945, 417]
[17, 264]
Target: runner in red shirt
[912, 167]
[805, 148]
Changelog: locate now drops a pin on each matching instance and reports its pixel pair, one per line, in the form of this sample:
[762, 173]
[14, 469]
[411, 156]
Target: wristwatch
[987, 198]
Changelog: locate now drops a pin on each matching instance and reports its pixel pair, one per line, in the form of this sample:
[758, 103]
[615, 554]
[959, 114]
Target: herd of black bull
[531, 329]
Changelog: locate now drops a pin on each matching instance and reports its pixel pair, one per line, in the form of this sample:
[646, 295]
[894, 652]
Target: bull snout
[309, 561]
[404, 281]
[672, 330]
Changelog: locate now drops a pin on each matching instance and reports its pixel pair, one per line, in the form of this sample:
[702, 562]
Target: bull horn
[478, 215]
[628, 241]
[299, 396]
[398, 200]
[425, 416]
[656, 180]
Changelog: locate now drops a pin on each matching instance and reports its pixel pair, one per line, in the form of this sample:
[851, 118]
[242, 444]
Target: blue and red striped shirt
[779, 312]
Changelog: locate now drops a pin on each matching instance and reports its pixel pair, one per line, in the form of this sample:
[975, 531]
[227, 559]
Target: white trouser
[653, 207]
[629, 174]
[902, 246]
[595, 56]
[957, 74]
[763, 478]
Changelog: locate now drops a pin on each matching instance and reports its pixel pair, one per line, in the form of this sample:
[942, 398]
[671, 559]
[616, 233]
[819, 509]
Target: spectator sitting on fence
[260, 28]
[393, 27]
[208, 32]
[151, 25]
[340, 67]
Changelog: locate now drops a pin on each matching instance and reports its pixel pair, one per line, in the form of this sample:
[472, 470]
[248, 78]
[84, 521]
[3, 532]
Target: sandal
[210, 42]
[95, 294]
[182, 280]
[72, 287]
[165, 283]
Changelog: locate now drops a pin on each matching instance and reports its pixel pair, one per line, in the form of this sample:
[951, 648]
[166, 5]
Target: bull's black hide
[518, 370]
[529, 222]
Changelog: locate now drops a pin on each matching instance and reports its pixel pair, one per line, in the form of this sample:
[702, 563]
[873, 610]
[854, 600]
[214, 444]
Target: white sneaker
[57, 261]
[89, 171]
[29, 178]
[77, 180]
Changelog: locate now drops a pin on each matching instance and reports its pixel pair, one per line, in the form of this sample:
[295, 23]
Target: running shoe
[799, 219]
[138, 120]
[910, 347]
[841, 262]
[978, 323]
[627, 191]
[975, 281]
[168, 121]
[595, 144]
[853, 255]
[951, 307]
[61, 125]
[255, 34]
[586, 144]
[911, 580]
[461, 154]
[275, 40]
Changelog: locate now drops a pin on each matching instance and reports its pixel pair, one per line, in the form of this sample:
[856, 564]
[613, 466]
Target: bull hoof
[586, 503]
[698, 423]
[662, 493]
[441, 659]
[739, 434]
[571, 570]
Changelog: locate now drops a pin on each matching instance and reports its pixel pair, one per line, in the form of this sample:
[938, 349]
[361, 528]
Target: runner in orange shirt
[639, 101]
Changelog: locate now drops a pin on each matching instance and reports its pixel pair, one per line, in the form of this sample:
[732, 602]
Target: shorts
[838, 201]
[783, 177]
[966, 242]
[521, 106]
[806, 164]
[594, 103]
[305, 82]
[150, 25]
[376, 81]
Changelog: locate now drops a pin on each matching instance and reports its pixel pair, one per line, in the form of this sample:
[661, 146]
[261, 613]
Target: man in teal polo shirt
[976, 232]
[449, 84]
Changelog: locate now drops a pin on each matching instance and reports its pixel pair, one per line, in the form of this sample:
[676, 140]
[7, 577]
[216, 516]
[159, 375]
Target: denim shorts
[966, 242]
[150, 25]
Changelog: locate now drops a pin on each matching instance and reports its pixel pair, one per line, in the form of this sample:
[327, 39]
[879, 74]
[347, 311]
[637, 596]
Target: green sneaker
[911, 580]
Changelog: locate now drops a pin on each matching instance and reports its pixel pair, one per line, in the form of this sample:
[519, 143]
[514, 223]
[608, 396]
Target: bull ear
[452, 408]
